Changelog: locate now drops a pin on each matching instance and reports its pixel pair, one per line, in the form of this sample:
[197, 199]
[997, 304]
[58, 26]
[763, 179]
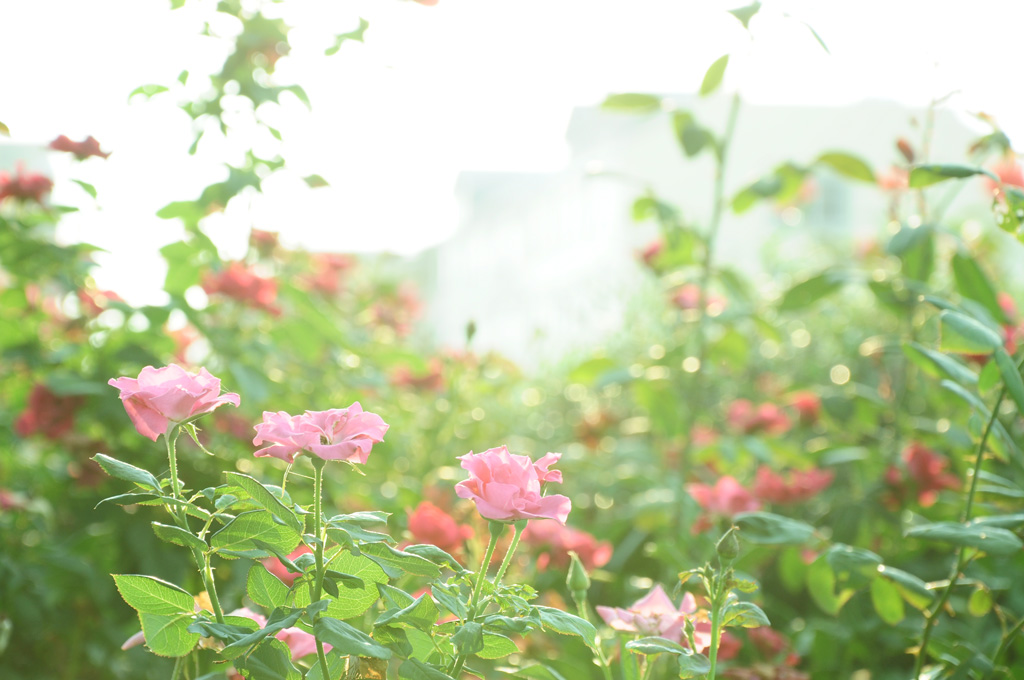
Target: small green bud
[729, 545]
[578, 581]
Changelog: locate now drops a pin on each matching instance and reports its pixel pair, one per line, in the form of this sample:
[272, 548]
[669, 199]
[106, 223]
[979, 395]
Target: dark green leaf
[847, 558]
[992, 540]
[469, 638]
[914, 590]
[693, 665]
[770, 529]
[271, 660]
[926, 175]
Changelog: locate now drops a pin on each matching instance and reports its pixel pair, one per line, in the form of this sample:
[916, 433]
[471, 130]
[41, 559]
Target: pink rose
[654, 614]
[338, 434]
[161, 397]
[507, 487]
[430, 524]
[277, 568]
[82, 150]
[725, 499]
[554, 542]
[24, 186]
[796, 487]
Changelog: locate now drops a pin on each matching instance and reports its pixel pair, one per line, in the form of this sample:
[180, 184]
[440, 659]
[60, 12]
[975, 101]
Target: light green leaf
[469, 638]
[655, 645]
[980, 602]
[129, 473]
[632, 103]
[885, 596]
[714, 75]
[356, 35]
[414, 669]
[939, 365]
[961, 334]
[693, 665]
[497, 647]
[152, 595]
[745, 14]
[567, 624]
[264, 588]
[769, 529]
[355, 601]
[1011, 377]
[89, 189]
[386, 556]
[847, 165]
[167, 634]
[147, 91]
[745, 614]
[809, 291]
[974, 284]
[914, 590]
[178, 536]
[235, 539]
[266, 499]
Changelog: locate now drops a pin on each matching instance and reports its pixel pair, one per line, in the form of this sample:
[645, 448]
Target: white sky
[465, 85]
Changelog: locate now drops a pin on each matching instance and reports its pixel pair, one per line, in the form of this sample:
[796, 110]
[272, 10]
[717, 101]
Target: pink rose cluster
[553, 542]
[430, 524]
[24, 186]
[928, 475]
[655, 615]
[162, 397]
[242, 283]
[346, 434]
[507, 488]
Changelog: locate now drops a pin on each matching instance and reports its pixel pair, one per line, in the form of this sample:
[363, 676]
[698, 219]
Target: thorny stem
[495, 530]
[318, 579]
[961, 557]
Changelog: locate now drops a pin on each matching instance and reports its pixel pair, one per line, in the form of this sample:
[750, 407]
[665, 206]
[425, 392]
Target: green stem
[172, 461]
[176, 673]
[1004, 644]
[519, 527]
[318, 579]
[602, 660]
[961, 557]
[211, 589]
[716, 625]
[495, 529]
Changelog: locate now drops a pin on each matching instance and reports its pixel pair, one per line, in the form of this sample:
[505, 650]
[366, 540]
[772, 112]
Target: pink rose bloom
[807, 405]
[277, 568]
[727, 497]
[654, 614]
[24, 186]
[160, 397]
[895, 180]
[744, 417]
[338, 434]
[651, 251]
[506, 487]
[1010, 173]
[299, 641]
[48, 414]
[242, 283]
[82, 150]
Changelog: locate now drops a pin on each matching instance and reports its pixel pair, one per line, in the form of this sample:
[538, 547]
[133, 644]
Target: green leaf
[266, 499]
[693, 665]
[992, 540]
[821, 583]
[271, 660]
[279, 619]
[714, 75]
[961, 334]
[469, 638]
[89, 189]
[693, 138]
[885, 596]
[939, 365]
[497, 647]
[972, 283]
[421, 613]
[745, 14]
[356, 35]
[980, 602]
[809, 291]
[236, 538]
[655, 645]
[414, 669]
[842, 557]
[129, 473]
[179, 536]
[300, 93]
[914, 590]
[167, 634]
[315, 181]
[847, 165]
[151, 595]
[536, 672]
[744, 614]
[4, 130]
[926, 175]
[632, 103]
[1011, 377]
[129, 499]
[147, 91]
[915, 246]
[348, 640]
[264, 588]
[386, 556]
[435, 555]
[355, 600]
[766, 528]
[566, 624]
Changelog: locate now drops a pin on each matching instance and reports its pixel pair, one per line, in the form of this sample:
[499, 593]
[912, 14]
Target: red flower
[767, 418]
[24, 186]
[553, 542]
[47, 414]
[1009, 171]
[329, 270]
[242, 283]
[797, 487]
[651, 251]
[430, 524]
[277, 568]
[807, 405]
[928, 470]
[433, 379]
[725, 499]
[82, 150]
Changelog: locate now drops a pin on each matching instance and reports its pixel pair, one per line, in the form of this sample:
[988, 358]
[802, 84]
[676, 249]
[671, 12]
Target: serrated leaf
[167, 634]
[566, 624]
[414, 669]
[129, 499]
[129, 473]
[421, 613]
[469, 638]
[385, 555]
[713, 76]
[497, 647]
[152, 595]
[264, 588]
[355, 600]
[266, 499]
[236, 538]
[348, 640]
[178, 536]
[271, 660]
[435, 555]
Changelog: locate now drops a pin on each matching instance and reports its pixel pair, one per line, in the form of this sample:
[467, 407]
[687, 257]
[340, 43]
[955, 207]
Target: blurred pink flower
[24, 186]
[650, 253]
[92, 301]
[807, 405]
[82, 150]
[162, 396]
[47, 414]
[896, 179]
[928, 470]
[767, 418]
[277, 568]
[1009, 171]
[553, 542]
[242, 283]
[430, 524]
[796, 487]
[725, 499]
[432, 379]
[337, 434]
[507, 487]
[654, 614]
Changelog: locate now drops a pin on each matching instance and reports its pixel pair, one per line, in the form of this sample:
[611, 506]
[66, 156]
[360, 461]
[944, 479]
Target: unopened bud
[905, 149]
[729, 545]
[578, 581]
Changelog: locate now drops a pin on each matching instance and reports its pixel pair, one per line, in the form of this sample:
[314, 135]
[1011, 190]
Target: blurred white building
[546, 263]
